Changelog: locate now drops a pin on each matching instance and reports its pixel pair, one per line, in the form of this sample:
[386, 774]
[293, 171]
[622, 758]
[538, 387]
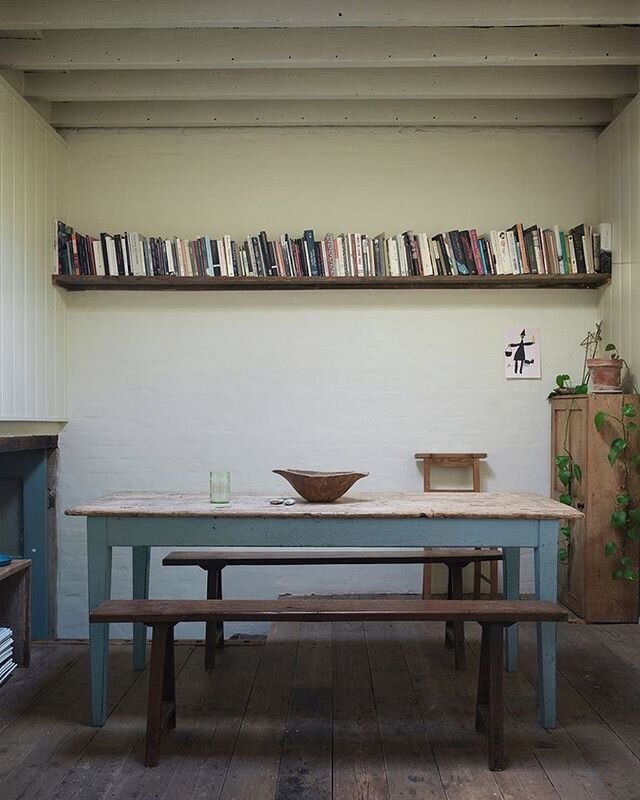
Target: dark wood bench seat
[214, 561]
[163, 615]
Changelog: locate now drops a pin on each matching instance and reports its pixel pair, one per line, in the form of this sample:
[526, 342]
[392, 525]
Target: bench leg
[454, 631]
[214, 631]
[490, 700]
[493, 580]
[426, 581]
[477, 579]
[161, 709]
[169, 683]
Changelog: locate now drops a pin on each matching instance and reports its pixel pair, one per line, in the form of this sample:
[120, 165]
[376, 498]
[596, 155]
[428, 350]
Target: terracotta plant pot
[605, 374]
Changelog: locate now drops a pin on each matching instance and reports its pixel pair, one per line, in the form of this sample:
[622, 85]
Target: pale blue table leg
[511, 581]
[140, 561]
[99, 572]
[546, 563]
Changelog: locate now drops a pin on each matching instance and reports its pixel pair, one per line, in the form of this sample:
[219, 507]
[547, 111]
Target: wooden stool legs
[161, 710]
[489, 704]
[214, 631]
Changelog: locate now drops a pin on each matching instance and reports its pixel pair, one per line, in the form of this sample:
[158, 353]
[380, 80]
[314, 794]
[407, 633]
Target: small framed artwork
[522, 353]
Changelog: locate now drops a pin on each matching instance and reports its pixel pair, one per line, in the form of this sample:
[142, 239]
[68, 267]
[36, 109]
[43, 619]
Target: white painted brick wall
[164, 387]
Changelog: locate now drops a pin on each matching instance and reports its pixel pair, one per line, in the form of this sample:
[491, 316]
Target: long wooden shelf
[74, 283]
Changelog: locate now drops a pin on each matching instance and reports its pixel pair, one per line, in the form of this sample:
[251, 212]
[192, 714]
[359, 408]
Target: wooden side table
[471, 460]
[15, 607]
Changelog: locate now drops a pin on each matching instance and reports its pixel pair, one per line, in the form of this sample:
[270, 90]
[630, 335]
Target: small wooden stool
[472, 460]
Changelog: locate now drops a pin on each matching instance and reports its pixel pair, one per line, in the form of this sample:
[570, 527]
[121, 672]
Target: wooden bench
[214, 561]
[163, 615]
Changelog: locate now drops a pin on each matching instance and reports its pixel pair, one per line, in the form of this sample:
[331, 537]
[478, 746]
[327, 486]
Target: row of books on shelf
[7, 664]
[518, 250]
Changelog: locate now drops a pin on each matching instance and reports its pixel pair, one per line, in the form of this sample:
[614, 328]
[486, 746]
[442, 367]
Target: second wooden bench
[214, 561]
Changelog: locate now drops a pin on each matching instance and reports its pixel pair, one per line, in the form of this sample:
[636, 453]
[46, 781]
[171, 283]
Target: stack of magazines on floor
[7, 664]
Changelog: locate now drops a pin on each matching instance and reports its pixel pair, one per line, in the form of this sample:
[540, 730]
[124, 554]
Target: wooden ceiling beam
[399, 83]
[70, 14]
[181, 114]
[347, 47]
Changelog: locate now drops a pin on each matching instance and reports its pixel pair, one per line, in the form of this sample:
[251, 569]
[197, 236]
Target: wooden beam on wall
[346, 47]
[62, 14]
[402, 82]
[231, 113]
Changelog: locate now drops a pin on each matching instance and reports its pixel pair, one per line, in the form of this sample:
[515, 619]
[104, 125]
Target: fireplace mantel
[19, 444]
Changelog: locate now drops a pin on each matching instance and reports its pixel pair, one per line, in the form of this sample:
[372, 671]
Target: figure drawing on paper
[522, 353]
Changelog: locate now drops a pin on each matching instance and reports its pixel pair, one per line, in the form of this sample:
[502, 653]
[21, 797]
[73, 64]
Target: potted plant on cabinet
[606, 373]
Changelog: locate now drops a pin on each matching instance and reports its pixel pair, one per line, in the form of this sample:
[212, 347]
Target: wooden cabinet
[15, 606]
[586, 584]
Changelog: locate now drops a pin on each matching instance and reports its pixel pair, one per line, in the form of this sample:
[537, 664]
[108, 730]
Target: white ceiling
[166, 63]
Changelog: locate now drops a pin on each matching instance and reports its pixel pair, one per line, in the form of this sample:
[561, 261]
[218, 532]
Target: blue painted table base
[142, 533]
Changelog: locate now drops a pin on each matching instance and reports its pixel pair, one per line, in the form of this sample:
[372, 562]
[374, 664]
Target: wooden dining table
[509, 520]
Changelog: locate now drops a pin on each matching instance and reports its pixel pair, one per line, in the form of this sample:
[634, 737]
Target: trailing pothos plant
[625, 514]
[568, 471]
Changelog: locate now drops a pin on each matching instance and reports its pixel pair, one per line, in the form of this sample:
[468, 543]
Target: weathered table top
[441, 505]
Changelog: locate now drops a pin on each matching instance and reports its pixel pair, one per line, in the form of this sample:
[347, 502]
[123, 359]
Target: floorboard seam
[600, 717]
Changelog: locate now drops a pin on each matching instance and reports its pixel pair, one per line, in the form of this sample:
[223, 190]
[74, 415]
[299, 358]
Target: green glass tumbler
[220, 487]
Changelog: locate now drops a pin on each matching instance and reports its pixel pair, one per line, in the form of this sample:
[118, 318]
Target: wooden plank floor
[346, 711]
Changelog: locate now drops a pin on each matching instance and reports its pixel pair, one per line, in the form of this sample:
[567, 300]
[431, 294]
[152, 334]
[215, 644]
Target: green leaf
[565, 476]
[577, 471]
[618, 518]
[563, 555]
[617, 574]
[617, 446]
[566, 498]
[599, 419]
[632, 426]
[565, 531]
[634, 534]
[634, 515]
[562, 461]
[623, 499]
[630, 575]
[562, 380]
[625, 561]
[628, 410]
[610, 347]
[581, 388]
[610, 548]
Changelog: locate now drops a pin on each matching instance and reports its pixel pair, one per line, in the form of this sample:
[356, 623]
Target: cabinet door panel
[607, 599]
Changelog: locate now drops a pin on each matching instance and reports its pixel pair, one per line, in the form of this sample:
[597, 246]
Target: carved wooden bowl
[320, 487]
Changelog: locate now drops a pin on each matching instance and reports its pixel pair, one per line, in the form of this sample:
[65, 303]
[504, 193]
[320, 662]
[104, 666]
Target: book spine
[514, 264]
[480, 268]
[309, 239]
[467, 253]
[559, 250]
[74, 250]
[392, 250]
[606, 249]
[578, 234]
[522, 250]
[572, 254]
